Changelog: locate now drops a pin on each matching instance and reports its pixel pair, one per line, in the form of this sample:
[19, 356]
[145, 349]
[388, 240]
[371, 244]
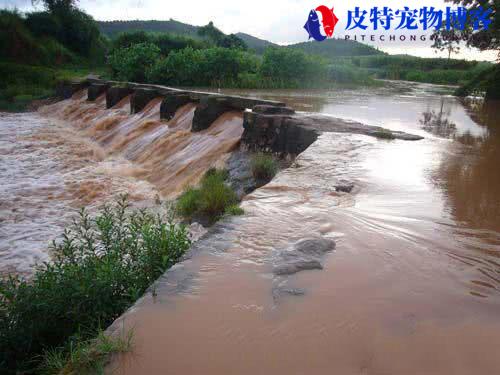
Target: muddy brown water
[413, 286]
[77, 153]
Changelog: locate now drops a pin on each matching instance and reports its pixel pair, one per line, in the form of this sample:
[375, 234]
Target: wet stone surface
[305, 254]
[344, 187]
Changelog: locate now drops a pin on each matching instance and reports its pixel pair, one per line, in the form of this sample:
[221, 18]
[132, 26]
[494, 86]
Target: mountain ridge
[329, 48]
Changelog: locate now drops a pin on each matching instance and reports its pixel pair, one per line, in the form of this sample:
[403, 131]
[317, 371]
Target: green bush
[99, 268]
[131, 64]
[293, 68]
[212, 199]
[348, 74]
[164, 41]
[484, 82]
[264, 167]
[16, 41]
[181, 68]
[168, 42]
[201, 67]
[38, 82]
[70, 27]
[129, 38]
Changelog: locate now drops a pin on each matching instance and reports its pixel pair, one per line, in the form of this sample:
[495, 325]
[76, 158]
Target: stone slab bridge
[269, 126]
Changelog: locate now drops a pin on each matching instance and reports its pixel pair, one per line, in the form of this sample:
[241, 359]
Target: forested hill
[257, 44]
[113, 28]
[329, 48]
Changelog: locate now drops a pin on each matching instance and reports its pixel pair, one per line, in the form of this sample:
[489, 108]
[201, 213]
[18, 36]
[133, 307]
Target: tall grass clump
[86, 357]
[384, 134]
[100, 267]
[264, 167]
[211, 200]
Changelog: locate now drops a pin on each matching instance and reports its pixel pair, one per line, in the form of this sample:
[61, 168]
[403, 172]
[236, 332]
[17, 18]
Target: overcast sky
[280, 21]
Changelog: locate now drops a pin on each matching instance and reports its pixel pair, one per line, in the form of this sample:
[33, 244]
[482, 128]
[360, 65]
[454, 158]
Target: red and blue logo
[318, 29]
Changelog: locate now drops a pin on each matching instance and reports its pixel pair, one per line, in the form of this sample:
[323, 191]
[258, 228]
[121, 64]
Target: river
[412, 286]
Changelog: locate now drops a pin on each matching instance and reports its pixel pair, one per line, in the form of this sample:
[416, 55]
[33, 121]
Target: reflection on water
[412, 287]
[470, 175]
[470, 180]
[438, 122]
[396, 105]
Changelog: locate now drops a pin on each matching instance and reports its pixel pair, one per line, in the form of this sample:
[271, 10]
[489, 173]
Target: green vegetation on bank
[22, 83]
[486, 81]
[100, 267]
[182, 61]
[264, 167]
[39, 48]
[86, 357]
[211, 200]
[62, 39]
[188, 64]
[418, 69]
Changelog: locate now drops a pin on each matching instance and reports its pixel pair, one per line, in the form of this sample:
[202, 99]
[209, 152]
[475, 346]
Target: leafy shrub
[347, 74]
[16, 41]
[43, 24]
[99, 268]
[264, 167]
[129, 38]
[169, 42]
[211, 200]
[181, 68]
[131, 64]
[71, 27]
[484, 81]
[164, 41]
[38, 82]
[190, 67]
[292, 68]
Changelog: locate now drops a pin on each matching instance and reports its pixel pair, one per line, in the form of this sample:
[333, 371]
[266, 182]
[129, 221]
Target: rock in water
[315, 246]
[344, 187]
[305, 254]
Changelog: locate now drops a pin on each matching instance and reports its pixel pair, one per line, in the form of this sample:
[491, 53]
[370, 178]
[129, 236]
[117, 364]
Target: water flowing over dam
[410, 287]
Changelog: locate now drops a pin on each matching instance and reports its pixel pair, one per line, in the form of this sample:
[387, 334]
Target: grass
[100, 267]
[384, 134]
[264, 167]
[85, 357]
[234, 210]
[212, 199]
